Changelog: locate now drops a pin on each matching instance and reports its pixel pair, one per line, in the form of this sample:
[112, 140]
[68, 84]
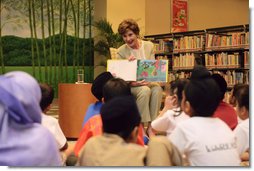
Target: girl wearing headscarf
[23, 140]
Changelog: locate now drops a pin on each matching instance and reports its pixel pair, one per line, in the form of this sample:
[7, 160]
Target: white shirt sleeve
[178, 138]
[53, 126]
[165, 122]
[241, 138]
[59, 135]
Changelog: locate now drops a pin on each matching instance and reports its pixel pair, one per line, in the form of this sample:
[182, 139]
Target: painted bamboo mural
[7, 17]
[77, 31]
[56, 43]
[50, 44]
[43, 42]
[74, 59]
[84, 34]
[34, 20]
[31, 32]
[64, 63]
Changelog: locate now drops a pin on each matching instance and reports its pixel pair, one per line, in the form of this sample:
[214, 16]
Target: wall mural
[50, 39]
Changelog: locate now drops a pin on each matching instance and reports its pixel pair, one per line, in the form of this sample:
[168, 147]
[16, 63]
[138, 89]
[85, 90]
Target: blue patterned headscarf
[23, 140]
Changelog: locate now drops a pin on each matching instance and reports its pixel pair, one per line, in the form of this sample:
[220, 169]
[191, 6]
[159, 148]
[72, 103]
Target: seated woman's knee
[156, 89]
[145, 91]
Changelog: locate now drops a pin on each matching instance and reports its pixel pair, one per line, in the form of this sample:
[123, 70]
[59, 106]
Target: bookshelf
[227, 52]
[163, 47]
[223, 50]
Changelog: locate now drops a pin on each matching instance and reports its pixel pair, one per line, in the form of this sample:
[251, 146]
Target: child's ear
[188, 109]
[102, 99]
[243, 113]
[47, 109]
[175, 100]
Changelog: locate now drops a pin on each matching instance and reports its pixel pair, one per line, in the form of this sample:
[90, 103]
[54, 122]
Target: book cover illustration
[152, 70]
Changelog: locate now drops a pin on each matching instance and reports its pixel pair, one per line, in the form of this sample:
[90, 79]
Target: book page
[127, 70]
[152, 70]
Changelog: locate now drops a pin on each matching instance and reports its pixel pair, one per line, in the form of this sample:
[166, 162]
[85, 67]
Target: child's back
[205, 140]
[116, 146]
[111, 150]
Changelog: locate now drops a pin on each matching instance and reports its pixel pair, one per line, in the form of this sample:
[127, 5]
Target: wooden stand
[74, 100]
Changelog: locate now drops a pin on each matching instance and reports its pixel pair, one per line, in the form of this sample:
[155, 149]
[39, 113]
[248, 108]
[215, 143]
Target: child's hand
[245, 156]
[170, 102]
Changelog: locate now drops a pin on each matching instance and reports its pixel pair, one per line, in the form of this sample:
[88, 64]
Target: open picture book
[148, 70]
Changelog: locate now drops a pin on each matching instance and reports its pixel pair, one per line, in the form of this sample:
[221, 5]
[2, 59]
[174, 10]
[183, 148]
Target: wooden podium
[73, 100]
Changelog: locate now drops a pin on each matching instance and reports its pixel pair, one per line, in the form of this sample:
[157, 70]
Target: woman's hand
[132, 58]
[138, 83]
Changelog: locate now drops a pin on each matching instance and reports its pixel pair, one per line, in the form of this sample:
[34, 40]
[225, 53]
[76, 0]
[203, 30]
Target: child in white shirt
[171, 113]
[242, 110]
[204, 140]
[48, 121]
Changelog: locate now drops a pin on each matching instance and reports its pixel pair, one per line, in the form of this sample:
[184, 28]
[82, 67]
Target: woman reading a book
[148, 94]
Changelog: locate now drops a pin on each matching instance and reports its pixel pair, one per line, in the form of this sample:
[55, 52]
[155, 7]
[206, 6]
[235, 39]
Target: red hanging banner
[179, 16]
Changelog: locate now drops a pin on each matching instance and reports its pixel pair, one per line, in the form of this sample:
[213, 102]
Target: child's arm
[245, 156]
[168, 104]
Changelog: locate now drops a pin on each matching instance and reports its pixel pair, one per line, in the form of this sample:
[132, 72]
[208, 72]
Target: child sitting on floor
[224, 111]
[242, 129]
[113, 88]
[166, 122]
[205, 140]
[51, 123]
[116, 146]
[97, 91]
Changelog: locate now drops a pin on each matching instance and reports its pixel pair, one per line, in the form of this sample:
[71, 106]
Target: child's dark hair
[47, 95]
[234, 92]
[98, 83]
[120, 116]
[177, 87]
[242, 96]
[202, 92]
[115, 87]
[221, 83]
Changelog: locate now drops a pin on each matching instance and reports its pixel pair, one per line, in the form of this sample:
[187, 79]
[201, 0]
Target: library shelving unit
[224, 50]
[187, 52]
[163, 46]
[227, 52]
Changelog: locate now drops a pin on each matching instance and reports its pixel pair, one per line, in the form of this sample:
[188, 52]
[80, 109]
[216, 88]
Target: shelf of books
[224, 50]
[188, 42]
[227, 53]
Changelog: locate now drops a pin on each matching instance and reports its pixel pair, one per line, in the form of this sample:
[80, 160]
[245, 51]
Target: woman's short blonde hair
[128, 24]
